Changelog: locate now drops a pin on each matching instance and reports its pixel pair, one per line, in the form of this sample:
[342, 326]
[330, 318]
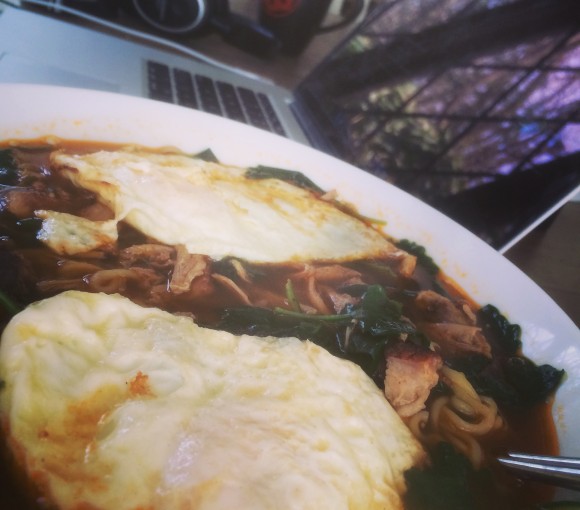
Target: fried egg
[68, 234]
[217, 211]
[109, 405]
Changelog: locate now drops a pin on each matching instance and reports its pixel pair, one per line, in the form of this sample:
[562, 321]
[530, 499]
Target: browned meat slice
[340, 300]
[451, 325]
[158, 256]
[411, 372]
[23, 202]
[457, 339]
[433, 307]
[405, 262]
[330, 274]
[187, 268]
[120, 280]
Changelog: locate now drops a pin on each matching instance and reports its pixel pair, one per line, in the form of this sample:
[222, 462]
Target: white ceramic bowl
[549, 336]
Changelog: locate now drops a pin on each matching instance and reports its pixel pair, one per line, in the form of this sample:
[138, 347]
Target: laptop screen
[474, 107]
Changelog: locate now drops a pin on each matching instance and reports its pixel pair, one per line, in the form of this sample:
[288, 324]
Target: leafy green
[291, 176]
[380, 269]
[447, 484]
[359, 333]
[8, 168]
[495, 325]
[207, 155]
[420, 252]
[264, 322]
[379, 315]
[532, 383]
[510, 379]
[291, 296]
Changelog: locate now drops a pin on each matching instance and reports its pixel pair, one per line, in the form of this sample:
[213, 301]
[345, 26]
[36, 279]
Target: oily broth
[532, 431]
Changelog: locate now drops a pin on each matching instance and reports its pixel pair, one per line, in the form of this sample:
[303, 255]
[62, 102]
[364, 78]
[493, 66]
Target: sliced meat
[158, 256]
[340, 300]
[405, 262]
[451, 325]
[411, 372]
[187, 268]
[433, 307]
[457, 339]
[330, 274]
[23, 202]
[112, 281]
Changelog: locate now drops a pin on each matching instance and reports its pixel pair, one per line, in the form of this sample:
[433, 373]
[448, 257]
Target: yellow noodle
[457, 381]
[469, 446]
[479, 428]
[461, 418]
[418, 424]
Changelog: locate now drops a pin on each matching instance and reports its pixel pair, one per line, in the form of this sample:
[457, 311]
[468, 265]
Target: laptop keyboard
[203, 93]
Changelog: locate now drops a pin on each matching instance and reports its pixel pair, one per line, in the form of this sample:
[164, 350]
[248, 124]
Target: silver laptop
[39, 49]
[474, 109]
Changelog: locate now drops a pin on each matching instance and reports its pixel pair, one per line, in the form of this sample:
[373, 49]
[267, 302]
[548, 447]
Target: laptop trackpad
[17, 69]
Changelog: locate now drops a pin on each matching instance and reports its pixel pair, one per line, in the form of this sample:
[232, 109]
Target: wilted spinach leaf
[510, 379]
[420, 252]
[532, 383]
[291, 176]
[496, 326]
[358, 333]
[447, 484]
[8, 168]
[207, 155]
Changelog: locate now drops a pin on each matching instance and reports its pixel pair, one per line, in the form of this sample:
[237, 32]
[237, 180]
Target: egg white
[113, 406]
[217, 211]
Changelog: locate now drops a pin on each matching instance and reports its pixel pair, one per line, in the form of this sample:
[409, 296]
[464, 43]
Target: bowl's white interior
[30, 111]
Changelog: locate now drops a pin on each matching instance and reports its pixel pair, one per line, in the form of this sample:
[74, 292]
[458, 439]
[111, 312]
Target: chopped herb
[420, 252]
[341, 318]
[291, 176]
[291, 296]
